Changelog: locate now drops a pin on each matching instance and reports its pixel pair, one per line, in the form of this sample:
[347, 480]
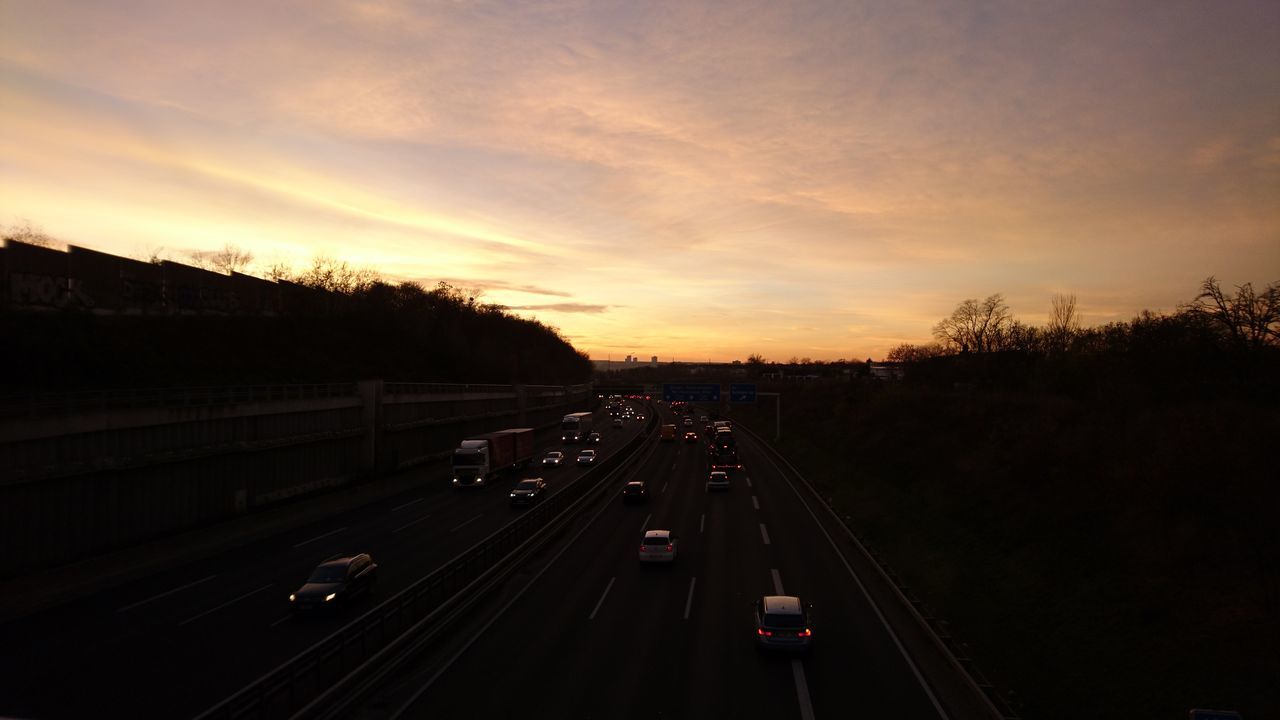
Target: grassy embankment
[1102, 559]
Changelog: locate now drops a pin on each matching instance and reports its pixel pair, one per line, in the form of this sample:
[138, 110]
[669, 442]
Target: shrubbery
[370, 329]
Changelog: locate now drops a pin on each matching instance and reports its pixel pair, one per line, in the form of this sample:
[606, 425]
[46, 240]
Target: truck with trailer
[481, 458]
[575, 427]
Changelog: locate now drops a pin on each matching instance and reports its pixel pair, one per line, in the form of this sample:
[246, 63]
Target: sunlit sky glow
[684, 179]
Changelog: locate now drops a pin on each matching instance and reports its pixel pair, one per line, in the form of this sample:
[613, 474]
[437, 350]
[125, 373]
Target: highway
[178, 641]
[590, 632]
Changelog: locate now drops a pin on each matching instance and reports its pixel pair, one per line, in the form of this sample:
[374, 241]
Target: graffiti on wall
[39, 278]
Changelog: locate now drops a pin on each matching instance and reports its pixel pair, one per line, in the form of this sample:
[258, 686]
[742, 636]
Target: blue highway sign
[742, 392]
[690, 392]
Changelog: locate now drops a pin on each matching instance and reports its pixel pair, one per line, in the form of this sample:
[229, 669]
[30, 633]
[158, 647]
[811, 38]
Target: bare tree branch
[1249, 318]
[975, 326]
[30, 234]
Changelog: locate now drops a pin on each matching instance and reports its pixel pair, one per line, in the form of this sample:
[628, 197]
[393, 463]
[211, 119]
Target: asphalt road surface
[176, 643]
[597, 634]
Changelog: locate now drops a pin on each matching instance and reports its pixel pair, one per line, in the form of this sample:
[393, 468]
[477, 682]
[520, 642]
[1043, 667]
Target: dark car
[635, 492]
[783, 623]
[593, 437]
[528, 491]
[691, 437]
[335, 582]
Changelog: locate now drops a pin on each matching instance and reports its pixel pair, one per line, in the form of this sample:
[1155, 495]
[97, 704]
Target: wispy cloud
[563, 307]
[685, 173]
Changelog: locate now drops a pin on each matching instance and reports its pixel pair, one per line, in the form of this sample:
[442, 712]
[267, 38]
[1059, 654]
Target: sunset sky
[685, 179]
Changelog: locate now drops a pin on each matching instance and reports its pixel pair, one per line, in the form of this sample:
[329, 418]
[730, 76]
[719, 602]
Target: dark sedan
[528, 491]
[335, 582]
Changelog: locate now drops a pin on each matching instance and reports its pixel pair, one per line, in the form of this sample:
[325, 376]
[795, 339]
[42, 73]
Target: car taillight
[641, 548]
[763, 632]
[668, 548]
[805, 633]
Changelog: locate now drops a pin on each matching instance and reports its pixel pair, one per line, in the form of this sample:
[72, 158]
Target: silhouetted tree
[226, 261]
[30, 235]
[906, 352]
[335, 276]
[1250, 319]
[975, 326]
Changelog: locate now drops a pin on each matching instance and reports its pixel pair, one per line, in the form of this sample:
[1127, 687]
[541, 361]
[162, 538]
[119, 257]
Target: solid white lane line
[755, 502]
[764, 534]
[777, 582]
[412, 523]
[229, 602]
[802, 690]
[286, 618]
[937, 706]
[702, 523]
[319, 537]
[689, 601]
[603, 595]
[645, 524]
[411, 502]
[140, 603]
[467, 523]
[748, 481]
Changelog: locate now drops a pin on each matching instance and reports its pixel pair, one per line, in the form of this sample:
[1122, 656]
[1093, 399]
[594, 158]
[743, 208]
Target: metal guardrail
[936, 628]
[412, 388]
[96, 401]
[18, 407]
[292, 687]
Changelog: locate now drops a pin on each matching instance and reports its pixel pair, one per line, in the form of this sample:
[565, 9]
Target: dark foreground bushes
[1109, 548]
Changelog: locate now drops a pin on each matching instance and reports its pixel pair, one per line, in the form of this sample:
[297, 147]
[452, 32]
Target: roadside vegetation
[1094, 510]
[351, 325]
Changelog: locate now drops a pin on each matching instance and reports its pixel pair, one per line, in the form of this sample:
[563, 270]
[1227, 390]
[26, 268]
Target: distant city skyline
[706, 180]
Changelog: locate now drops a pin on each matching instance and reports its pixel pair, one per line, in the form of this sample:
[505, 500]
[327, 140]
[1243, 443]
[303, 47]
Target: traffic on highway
[177, 641]
[698, 583]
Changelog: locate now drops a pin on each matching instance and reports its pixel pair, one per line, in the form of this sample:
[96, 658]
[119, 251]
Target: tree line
[352, 324]
[1218, 338]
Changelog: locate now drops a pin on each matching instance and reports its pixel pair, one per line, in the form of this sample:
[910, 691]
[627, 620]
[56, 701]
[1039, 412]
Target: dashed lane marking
[153, 598]
[319, 537]
[600, 602]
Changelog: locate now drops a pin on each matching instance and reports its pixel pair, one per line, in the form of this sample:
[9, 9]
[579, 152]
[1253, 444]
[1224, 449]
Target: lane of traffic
[242, 607]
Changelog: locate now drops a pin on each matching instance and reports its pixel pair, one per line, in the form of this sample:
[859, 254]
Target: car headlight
[293, 597]
[455, 481]
[330, 596]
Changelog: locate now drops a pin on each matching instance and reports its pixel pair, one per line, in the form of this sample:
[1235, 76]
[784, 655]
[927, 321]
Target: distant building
[886, 371]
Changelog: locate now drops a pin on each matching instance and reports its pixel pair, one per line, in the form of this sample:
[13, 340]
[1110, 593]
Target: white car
[555, 458]
[586, 457]
[718, 480]
[658, 546]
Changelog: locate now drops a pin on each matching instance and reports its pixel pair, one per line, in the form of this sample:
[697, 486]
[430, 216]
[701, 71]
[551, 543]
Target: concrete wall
[79, 477]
